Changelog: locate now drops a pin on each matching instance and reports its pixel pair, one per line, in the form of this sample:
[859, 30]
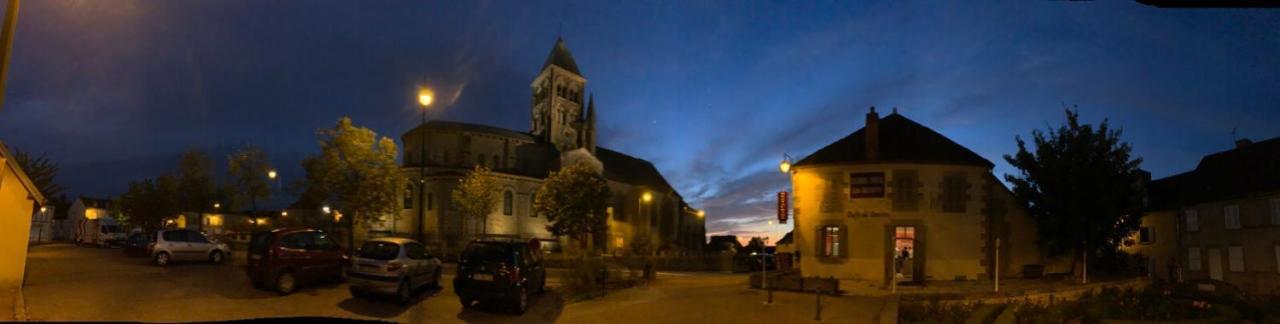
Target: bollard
[817, 316]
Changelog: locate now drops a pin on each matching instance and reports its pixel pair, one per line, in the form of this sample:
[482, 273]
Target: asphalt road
[68, 283]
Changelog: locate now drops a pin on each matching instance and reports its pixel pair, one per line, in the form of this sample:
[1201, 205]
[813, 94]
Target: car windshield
[486, 252]
[379, 250]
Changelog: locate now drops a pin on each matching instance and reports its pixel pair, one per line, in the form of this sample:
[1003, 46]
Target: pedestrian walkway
[976, 288]
[11, 306]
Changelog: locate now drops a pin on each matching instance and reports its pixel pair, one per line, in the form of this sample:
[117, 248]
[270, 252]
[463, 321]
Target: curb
[19, 307]
[889, 312]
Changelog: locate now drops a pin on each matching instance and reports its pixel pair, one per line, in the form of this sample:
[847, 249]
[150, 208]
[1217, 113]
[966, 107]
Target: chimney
[1242, 143]
[872, 134]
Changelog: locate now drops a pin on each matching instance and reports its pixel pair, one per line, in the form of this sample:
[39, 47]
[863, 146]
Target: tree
[147, 203]
[249, 168]
[41, 170]
[477, 196]
[198, 191]
[356, 174]
[575, 200]
[1080, 185]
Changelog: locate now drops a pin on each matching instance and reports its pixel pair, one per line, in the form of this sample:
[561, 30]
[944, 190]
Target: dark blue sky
[712, 93]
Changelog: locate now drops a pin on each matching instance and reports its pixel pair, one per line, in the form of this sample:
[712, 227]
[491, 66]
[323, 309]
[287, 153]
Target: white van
[103, 231]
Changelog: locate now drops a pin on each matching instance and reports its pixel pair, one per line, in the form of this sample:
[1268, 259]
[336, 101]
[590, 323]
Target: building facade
[898, 200]
[19, 199]
[438, 154]
[1220, 221]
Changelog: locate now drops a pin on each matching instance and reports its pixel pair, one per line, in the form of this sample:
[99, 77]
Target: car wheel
[215, 257]
[522, 301]
[405, 292]
[162, 259]
[285, 282]
[466, 303]
[542, 285]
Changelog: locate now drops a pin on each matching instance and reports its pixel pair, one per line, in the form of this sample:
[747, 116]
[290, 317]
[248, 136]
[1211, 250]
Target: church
[562, 131]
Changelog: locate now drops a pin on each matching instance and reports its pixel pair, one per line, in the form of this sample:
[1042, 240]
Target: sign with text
[782, 207]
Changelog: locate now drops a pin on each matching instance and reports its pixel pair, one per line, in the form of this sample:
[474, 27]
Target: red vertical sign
[782, 207]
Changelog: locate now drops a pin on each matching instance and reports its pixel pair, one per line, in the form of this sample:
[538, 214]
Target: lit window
[831, 241]
[1193, 259]
[1193, 221]
[1231, 214]
[1235, 256]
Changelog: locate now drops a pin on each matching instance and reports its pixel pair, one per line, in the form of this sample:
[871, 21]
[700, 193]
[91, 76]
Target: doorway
[904, 254]
[1215, 264]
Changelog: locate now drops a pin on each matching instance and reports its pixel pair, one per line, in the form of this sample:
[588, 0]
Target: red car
[282, 259]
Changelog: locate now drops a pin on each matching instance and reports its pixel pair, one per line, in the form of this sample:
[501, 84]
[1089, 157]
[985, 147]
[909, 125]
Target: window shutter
[844, 241]
[819, 242]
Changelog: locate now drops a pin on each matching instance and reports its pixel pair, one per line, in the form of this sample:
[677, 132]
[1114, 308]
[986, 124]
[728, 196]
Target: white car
[186, 245]
[392, 266]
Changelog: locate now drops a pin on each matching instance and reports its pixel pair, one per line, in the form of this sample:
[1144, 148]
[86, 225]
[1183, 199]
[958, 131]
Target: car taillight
[393, 266]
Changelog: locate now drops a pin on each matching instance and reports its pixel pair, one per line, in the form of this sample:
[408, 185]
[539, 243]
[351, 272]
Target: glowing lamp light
[44, 209]
[271, 174]
[425, 97]
[785, 165]
[284, 213]
[702, 213]
[325, 209]
[647, 197]
[217, 205]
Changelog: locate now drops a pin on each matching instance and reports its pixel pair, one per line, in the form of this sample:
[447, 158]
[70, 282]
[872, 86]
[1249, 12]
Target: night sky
[711, 93]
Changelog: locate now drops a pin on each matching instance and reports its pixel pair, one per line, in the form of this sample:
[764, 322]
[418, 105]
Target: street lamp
[325, 209]
[217, 205]
[647, 197]
[425, 97]
[785, 165]
[284, 213]
[702, 213]
[271, 174]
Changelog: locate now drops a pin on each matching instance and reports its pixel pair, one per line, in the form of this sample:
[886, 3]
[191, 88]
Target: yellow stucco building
[895, 197]
[18, 200]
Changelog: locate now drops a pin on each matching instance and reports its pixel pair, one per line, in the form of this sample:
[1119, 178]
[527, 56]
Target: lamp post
[425, 97]
[44, 219]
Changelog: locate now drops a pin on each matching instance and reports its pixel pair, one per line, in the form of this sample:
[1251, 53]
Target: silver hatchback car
[188, 245]
[392, 266]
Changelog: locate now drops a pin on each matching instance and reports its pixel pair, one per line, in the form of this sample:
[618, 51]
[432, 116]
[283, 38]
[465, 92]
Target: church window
[507, 202]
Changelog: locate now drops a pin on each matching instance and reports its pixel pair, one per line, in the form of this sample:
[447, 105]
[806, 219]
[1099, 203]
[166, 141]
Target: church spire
[561, 57]
[590, 131]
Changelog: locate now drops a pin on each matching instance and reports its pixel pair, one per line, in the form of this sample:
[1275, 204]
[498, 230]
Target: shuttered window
[1231, 215]
[1235, 255]
[1193, 259]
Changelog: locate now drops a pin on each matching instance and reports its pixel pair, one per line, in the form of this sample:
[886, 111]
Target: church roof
[901, 141]
[460, 126]
[561, 57]
[627, 169]
[1248, 169]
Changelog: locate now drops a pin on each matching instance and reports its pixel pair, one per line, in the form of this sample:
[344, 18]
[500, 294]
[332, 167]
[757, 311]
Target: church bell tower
[558, 117]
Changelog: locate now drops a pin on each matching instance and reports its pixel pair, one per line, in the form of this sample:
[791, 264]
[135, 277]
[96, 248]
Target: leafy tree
[147, 203]
[198, 191]
[249, 168]
[575, 200]
[477, 196]
[1081, 186]
[41, 170]
[356, 173]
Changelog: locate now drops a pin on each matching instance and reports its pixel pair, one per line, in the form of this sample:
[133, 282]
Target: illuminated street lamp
[702, 213]
[785, 166]
[325, 209]
[647, 197]
[425, 97]
[44, 209]
[284, 213]
[217, 205]
[271, 174]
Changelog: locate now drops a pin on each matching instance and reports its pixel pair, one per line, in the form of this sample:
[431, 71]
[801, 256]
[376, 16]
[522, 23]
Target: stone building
[1220, 221]
[562, 131]
[895, 197]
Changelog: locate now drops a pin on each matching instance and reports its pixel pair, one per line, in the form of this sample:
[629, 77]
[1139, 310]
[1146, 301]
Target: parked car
[392, 266]
[139, 244]
[282, 259]
[104, 232]
[186, 245]
[500, 270]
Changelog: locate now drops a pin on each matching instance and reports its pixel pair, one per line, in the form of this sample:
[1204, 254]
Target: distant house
[897, 199]
[1220, 220]
[724, 243]
[19, 198]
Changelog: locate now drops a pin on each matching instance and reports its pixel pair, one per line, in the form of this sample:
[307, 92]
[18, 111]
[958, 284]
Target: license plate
[255, 257]
[482, 277]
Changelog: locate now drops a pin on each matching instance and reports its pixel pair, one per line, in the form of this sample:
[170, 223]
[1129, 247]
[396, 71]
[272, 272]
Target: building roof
[901, 141]
[32, 192]
[627, 169]
[1250, 168]
[436, 125]
[561, 57]
[95, 202]
[786, 239]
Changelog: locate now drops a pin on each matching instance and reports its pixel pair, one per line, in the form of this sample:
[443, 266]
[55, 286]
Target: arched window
[507, 202]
